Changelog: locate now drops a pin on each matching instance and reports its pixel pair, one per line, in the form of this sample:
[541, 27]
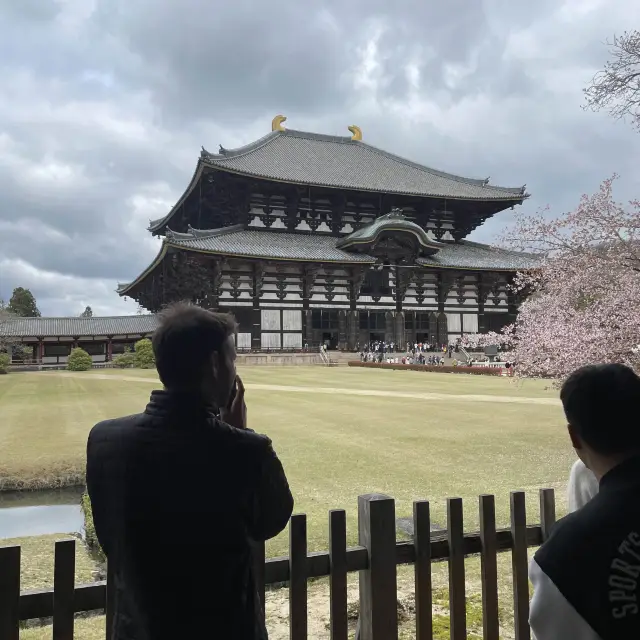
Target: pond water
[34, 513]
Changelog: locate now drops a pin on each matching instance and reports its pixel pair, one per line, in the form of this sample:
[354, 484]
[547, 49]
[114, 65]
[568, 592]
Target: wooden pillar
[441, 291]
[256, 316]
[342, 329]
[109, 349]
[40, 349]
[309, 273]
[389, 326]
[400, 286]
[400, 339]
[352, 329]
[482, 298]
[307, 324]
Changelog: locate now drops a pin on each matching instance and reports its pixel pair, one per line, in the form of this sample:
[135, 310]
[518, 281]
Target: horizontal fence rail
[375, 557]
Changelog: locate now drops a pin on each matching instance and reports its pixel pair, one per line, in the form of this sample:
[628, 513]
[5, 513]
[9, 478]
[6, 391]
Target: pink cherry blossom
[584, 302]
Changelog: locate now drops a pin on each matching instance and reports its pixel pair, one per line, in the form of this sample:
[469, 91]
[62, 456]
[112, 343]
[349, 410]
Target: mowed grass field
[340, 432]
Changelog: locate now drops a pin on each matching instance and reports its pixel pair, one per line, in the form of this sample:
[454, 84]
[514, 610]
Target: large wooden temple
[309, 238]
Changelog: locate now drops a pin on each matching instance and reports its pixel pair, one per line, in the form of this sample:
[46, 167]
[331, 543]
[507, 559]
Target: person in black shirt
[181, 491]
[586, 576]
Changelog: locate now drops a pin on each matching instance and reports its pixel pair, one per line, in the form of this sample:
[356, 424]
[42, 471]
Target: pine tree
[23, 304]
[87, 313]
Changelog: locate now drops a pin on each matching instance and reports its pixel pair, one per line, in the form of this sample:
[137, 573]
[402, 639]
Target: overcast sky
[106, 103]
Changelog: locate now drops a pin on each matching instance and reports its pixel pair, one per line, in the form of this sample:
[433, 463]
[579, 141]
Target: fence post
[520, 566]
[64, 571]
[489, 568]
[378, 584]
[298, 577]
[423, 585]
[547, 512]
[457, 576]
[9, 593]
[338, 575]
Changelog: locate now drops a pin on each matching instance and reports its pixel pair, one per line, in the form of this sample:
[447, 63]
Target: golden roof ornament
[276, 123]
[356, 131]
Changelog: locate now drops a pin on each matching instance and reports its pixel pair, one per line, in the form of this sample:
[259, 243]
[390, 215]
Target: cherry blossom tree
[584, 302]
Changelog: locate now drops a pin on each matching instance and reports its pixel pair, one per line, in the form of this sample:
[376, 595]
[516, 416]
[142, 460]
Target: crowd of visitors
[417, 353]
[190, 461]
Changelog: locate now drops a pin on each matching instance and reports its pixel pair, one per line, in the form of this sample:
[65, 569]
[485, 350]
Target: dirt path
[447, 397]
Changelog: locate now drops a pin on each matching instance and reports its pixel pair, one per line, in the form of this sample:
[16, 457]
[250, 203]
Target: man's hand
[236, 415]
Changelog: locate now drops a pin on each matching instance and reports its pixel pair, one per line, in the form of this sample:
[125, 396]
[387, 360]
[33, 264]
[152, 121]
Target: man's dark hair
[602, 404]
[184, 341]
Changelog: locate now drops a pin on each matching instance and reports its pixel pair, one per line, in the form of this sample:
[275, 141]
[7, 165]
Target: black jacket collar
[624, 474]
[164, 403]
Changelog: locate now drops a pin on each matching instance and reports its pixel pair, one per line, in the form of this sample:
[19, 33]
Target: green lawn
[454, 435]
[333, 446]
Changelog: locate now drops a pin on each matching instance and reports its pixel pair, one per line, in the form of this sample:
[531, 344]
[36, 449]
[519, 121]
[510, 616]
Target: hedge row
[476, 371]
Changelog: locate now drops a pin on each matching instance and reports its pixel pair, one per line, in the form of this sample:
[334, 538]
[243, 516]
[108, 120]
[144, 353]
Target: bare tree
[617, 87]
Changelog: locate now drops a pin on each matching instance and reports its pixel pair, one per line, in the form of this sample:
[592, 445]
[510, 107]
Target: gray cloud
[106, 103]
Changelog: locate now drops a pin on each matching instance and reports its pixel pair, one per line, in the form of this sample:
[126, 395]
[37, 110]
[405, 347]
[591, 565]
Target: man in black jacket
[181, 491]
[586, 576]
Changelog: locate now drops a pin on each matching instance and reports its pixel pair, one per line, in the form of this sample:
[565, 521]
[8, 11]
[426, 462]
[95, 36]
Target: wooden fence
[375, 558]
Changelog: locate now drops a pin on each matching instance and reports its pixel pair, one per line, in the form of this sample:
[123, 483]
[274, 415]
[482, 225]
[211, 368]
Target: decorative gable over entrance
[391, 237]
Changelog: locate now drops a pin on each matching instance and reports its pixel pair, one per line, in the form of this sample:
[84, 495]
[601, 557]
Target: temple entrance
[330, 340]
[422, 338]
[376, 336]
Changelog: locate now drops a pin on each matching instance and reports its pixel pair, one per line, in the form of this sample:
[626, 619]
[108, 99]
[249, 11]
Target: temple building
[310, 238]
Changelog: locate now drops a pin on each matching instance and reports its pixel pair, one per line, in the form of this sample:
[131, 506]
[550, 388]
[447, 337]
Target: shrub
[124, 360]
[89, 528]
[5, 361]
[143, 357]
[79, 360]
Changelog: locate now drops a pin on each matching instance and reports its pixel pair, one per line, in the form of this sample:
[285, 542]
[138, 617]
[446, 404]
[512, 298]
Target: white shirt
[551, 616]
[583, 486]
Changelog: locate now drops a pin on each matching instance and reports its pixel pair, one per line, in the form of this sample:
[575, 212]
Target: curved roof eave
[250, 256]
[511, 198]
[124, 289]
[154, 225]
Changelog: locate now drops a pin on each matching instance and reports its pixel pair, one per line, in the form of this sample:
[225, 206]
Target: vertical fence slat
[520, 566]
[489, 568]
[9, 593]
[547, 512]
[298, 577]
[110, 599]
[338, 576]
[457, 590]
[378, 584]
[423, 587]
[64, 572]
[259, 553]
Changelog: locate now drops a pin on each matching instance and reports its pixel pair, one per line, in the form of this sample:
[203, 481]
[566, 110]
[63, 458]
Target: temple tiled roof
[80, 327]
[238, 241]
[258, 244]
[335, 161]
[473, 255]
